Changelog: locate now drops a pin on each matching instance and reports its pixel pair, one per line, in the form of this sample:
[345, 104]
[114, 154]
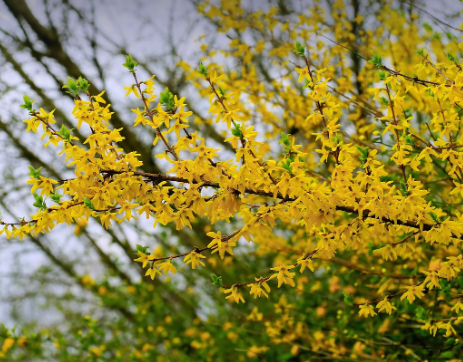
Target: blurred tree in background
[354, 176]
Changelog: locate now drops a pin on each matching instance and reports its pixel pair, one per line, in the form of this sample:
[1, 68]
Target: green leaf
[306, 83]
[203, 70]
[141, 248]
[56, 197]
[446, 287]
[409, 140]
[363, 154]
[39, 202]
[285, 140]
[403, 188]
[446, 355]
[65, 133]
[382, 75]
[130, 64]
[451, 58]
[420, 52]
[434, 217]
[299, 50]
[450, 36]
[384, 101]
[376, 60]
[348, 299]
[35, 173]
[72, 86]
[436, 36]
[167, 99]
[88, 203]
[421, 313]
[427, 26]
[407, 113]
[82, 84]
[222, 93]
[236, 131]
[450, 341]
[287, 166]
[216, 280]
[27, 103]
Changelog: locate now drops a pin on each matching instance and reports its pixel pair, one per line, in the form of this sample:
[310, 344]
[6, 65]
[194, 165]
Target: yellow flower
[284, 276]
[177, 127]
[46, 184]
[151, 272]
[132, 89]
[181, 115]
[105, 219]
[32, 124]
[432, 280]
[305, 263]
[144, 258]
[256, 288]
[127, 208]
[216, 239]
[98, 97]
[458, 306]
[386, 306]
[7, 344]
[412, 292]
[366, 309]
[303, 73]
[214, 78]
[140, 117]
[234, 294]
[193, 258]
[167, 266]
[179, 102]
[224, 247]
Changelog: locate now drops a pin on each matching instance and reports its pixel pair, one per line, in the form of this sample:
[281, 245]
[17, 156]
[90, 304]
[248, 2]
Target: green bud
[285, 140]
[299, 50]
[202, 69]
[130, 64]
[88, 203]
[65, 133]
[382, 75]
[287, 165]
[222, 93]
[363, 154]
[39, 202]
[434, 217]
[141, 248]
[56, 197]
[384, 101]
[216, 280]
[35, 173]
[409, 140]
[72, 86]
[236, 131]
[82, 84]
[427, 26]
[451, 58]
[376, 60]
[27, 103]
[306, 83]
[167, 99]
[403, 188]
